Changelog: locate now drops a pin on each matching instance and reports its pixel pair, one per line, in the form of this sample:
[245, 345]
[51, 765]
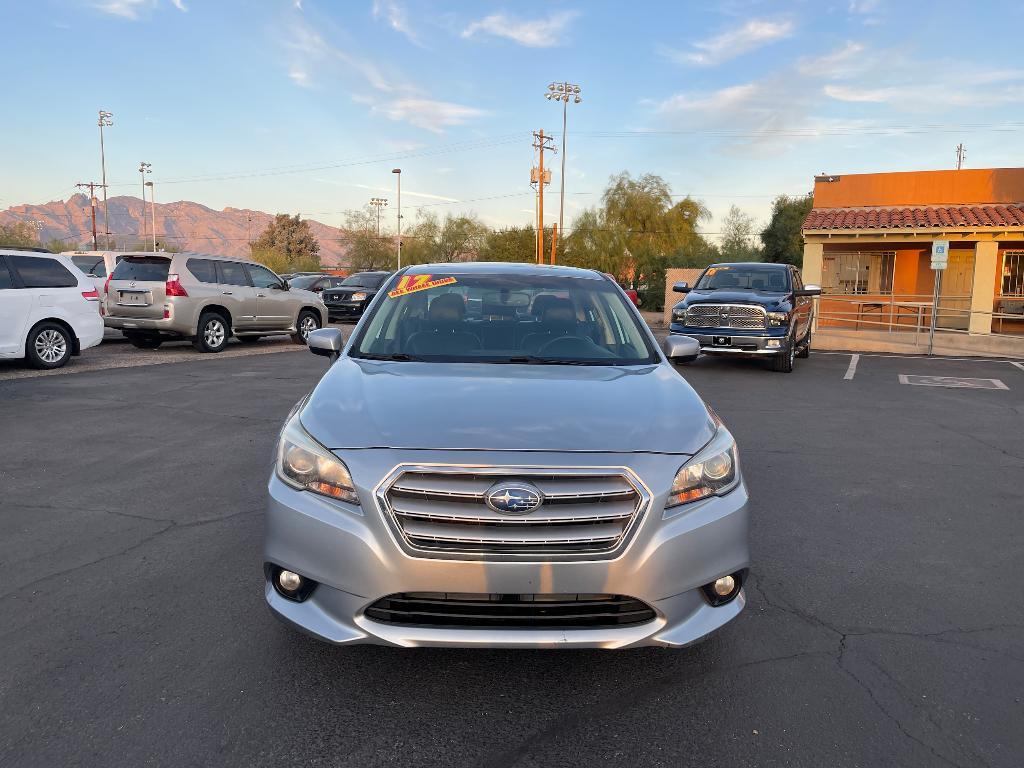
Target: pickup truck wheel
[212, 333]
[805, 346]
[783, 362]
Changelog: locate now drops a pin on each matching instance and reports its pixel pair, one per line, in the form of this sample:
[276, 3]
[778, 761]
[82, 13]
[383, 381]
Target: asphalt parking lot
[885, 623]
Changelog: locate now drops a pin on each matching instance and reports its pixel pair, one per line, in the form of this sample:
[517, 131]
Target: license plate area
[721, 341]
[133, 298]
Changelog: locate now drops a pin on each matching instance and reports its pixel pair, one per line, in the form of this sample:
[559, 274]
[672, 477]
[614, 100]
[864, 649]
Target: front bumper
[353, 309]
[353, 555]
[732, 341]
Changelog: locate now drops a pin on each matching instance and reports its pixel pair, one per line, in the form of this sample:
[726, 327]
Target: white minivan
[48, 308]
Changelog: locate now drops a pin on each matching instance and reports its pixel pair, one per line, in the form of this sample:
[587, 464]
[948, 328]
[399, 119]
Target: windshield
[304, 281]
[770, 278]
[151, 269]
[364, 280]
[504, 318]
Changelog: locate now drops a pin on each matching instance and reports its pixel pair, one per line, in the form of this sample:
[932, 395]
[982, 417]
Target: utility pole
[378, 203]
[144, 168]
[541, 177]
[105, 121]
[399, 172]
[562, 92]
[92, 204]
[961, 153]
[152, 209]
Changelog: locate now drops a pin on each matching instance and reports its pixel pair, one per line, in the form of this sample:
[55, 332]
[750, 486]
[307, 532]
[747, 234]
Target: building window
[854, 272]
[1013, 274]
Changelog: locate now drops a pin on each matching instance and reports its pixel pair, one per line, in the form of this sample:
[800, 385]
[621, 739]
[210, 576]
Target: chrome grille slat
[743, 316]
[441, 512]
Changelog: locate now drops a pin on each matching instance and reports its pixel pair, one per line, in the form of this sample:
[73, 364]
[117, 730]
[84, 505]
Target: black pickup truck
[748, 309]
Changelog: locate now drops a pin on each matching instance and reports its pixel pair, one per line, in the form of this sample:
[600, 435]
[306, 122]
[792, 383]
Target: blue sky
[306, 105]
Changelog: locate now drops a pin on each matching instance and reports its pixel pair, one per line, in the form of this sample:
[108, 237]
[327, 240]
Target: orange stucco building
[868, 242]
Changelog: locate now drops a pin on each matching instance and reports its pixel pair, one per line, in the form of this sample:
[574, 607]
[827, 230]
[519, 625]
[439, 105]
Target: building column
[983, 290]
[811, 270]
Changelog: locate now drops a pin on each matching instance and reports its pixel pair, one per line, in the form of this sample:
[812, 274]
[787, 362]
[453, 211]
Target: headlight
[678, 314]
[778, 318]
[358, 297]
[713, 471]
[306, 465]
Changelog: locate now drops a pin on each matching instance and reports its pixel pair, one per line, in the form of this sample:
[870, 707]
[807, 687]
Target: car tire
[783, 362]
[212, 333]
[141, 341]
[249, 339]
[48, 345]
[805, 346]
[308, 322]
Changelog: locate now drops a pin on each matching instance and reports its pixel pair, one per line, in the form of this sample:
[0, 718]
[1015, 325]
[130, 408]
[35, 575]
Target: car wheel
[307, 323]
[141, 341]
[249, 339]
[783, 362]
[805, 346]
[48, 346]
[212, 334]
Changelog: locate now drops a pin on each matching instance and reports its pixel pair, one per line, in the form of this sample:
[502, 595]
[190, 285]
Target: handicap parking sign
[940, 254]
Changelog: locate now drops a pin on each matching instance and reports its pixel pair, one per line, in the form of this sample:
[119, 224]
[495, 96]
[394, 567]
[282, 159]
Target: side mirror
[327, 342]
[680, 349]
[683, 287]
[809, 290]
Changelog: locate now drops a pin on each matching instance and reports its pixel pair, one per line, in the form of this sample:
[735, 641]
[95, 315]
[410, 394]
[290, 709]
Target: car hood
[470, 406]
[766, 299]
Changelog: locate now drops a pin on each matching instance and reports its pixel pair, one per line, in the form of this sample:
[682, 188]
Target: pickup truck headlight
[358, 297]
[778, 318]
[713, 471]
[306, 465]
[678, 314]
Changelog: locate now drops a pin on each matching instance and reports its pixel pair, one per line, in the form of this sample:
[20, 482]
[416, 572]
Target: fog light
[290, 581]
[773, 343]
[723, 587]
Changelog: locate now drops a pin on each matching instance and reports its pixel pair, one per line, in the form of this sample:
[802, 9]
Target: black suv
[349, 300]
[748, 309]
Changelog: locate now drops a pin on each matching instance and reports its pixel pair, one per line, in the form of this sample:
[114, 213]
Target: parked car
[754, 309]
[316, 283]
[47, 308]
[97, 265]
[630, 292]
[477, 478]
[154, 297]
[349, 300]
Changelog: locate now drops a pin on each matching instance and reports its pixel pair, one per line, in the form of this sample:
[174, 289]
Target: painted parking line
[954, 382]
[852, 370]
[1019, 365]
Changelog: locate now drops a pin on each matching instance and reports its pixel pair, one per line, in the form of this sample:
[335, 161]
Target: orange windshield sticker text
[413, 283]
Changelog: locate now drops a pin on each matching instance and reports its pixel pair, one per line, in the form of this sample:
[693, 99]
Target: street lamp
[399, 172]
[378, 203]
[144, 168]
[152, 209]
[563, 92]
[105, 121]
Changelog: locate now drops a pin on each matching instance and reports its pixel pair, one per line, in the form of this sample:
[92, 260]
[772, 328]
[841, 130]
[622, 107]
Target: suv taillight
[173, 287]
[92, 295]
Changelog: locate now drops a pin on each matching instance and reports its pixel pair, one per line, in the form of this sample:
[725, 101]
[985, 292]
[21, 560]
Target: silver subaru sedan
[501, 456]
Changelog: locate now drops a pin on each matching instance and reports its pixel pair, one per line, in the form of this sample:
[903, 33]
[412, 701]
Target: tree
[738, 237]
[457, 238]
[782, 238]
[510, 244]
[20, 234]
[289, 243]
[367, 252]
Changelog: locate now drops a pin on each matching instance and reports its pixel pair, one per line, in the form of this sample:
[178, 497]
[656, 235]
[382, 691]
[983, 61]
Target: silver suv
[502, 456]
[154, 297]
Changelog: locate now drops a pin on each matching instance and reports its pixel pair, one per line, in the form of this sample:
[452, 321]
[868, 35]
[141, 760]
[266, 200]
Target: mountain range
[185, 224]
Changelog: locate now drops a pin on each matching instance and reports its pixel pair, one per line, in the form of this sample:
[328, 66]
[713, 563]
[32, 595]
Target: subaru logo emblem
[513, 498]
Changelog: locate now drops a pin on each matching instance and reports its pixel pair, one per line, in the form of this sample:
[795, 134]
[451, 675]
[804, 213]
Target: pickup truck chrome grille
[725, 316]
[442, 511]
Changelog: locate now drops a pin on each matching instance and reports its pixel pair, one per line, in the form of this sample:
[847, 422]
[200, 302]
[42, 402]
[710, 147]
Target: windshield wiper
[535, 360]
[400, 357]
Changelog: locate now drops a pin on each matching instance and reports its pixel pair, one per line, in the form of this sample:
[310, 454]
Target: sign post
[940, 258]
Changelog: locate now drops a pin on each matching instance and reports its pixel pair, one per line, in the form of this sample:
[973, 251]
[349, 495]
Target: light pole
[563, 92]
[144, 168]
[152, 209]
[105, 121]
[399, 172]
[378, 203]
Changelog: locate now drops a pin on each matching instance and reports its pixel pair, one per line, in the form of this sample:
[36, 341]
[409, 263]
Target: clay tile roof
[907, 218]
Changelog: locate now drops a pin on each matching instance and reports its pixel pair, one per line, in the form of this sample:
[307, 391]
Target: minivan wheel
[783, 362]
[142, 341]
[212, 334]
[48, 346]
[307, 323]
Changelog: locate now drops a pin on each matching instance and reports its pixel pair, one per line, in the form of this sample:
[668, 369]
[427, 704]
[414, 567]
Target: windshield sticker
[413, 283]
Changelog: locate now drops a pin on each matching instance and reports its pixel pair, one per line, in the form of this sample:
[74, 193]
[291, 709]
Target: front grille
[725, 316]
[438, 512]
[446, 609]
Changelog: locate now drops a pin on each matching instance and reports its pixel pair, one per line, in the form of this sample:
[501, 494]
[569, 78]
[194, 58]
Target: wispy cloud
[180, 5]
[532, 33]
[425, 113]
[754, 34]
[371, 188]
[309, 50]
[126, 9]
[397, 18]
[869, 11]
[845, 62]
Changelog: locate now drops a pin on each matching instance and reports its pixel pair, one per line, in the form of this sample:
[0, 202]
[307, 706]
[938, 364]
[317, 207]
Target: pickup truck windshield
[770, 278]
[503, 318]
[364, 280]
